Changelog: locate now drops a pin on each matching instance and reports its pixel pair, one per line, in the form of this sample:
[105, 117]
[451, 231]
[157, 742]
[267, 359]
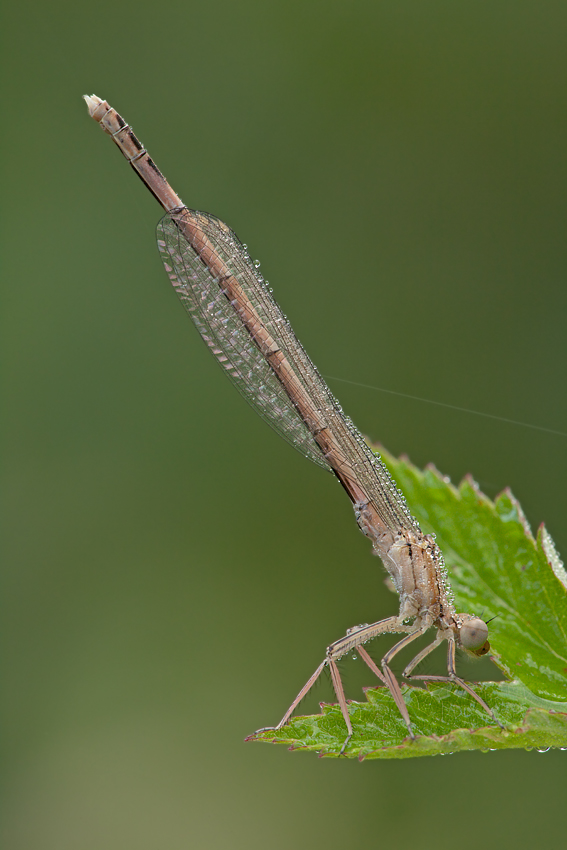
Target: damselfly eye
[473, 635]
[483, 649]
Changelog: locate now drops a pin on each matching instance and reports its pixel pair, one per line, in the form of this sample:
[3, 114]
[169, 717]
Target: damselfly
[238, 318]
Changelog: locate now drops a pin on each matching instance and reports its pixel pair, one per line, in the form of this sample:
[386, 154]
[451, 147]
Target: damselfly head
[473, 635]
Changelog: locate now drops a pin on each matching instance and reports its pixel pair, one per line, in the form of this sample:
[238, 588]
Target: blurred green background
[173, 570]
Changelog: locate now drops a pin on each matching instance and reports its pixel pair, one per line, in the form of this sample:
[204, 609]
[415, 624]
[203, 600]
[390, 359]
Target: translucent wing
[202, 296]
[207, 294]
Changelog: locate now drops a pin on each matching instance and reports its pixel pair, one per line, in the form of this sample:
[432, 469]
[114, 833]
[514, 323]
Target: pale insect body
[243, 326]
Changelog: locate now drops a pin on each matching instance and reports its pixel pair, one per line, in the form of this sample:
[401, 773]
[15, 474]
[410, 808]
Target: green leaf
[497, 569]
